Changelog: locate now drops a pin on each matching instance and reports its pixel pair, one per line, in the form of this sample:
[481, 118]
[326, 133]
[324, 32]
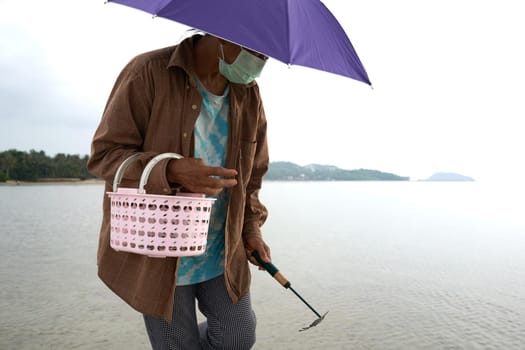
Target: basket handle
[122, 167]
[151, 164]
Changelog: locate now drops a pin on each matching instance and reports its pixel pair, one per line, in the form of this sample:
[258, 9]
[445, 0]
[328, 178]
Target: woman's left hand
[258, 244]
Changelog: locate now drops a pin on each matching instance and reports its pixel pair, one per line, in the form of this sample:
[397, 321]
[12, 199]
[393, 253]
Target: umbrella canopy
[300, 32]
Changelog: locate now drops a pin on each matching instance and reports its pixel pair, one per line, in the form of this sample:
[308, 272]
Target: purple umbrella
[300, 32]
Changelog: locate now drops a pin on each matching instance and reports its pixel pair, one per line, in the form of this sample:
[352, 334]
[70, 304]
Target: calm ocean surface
[398, 265]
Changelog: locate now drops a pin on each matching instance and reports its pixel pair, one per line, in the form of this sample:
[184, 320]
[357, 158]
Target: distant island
[287, 171]
[449, 177]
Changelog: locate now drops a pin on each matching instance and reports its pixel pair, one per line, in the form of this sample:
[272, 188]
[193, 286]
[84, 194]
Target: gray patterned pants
[228, 326]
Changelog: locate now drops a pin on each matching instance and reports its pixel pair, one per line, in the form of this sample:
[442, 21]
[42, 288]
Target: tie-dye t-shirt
[211, 138]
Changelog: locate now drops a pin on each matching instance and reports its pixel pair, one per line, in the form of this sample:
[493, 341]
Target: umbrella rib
[161, 8]
[289, 36]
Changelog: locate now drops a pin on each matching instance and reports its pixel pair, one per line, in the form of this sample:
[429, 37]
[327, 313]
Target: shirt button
[194, 107]
[184, 135]
[165, 190]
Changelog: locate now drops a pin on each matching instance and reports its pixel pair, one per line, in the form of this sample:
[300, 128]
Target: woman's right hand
[195, 176]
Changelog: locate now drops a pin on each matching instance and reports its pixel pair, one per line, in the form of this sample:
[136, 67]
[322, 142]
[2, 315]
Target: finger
[219, 171]
[211, 191]
[227, 183]
[254, 262]
[218, 183]
[264, 253]
[268, 253]
[250, 257]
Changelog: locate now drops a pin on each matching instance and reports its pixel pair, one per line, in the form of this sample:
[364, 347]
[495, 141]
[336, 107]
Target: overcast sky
[448, 82]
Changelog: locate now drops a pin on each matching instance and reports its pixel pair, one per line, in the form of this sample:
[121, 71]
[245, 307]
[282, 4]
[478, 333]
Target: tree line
[36, 165]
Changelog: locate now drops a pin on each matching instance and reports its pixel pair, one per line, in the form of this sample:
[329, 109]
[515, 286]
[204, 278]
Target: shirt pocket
[246, 157]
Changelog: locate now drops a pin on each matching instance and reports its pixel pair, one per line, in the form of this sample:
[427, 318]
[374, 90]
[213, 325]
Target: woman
[198, 99]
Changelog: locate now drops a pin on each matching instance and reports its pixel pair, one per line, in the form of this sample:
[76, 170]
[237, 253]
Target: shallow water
[398, 265]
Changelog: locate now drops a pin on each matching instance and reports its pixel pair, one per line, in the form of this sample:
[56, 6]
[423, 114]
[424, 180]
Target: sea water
[397, 265]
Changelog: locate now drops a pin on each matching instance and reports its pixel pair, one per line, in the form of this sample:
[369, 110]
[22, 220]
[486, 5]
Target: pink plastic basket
[157, 225]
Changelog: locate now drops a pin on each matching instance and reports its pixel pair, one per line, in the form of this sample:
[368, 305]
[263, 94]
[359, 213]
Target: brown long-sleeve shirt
[152, 109]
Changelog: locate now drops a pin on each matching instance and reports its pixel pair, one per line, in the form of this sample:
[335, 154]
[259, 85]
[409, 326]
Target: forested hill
[37, 166]
[315, 172]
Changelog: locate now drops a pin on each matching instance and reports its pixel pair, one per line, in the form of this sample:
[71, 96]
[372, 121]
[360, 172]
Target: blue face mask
[244, 69]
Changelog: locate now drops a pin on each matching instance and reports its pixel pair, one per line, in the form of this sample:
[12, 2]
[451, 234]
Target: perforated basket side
[158, 225]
